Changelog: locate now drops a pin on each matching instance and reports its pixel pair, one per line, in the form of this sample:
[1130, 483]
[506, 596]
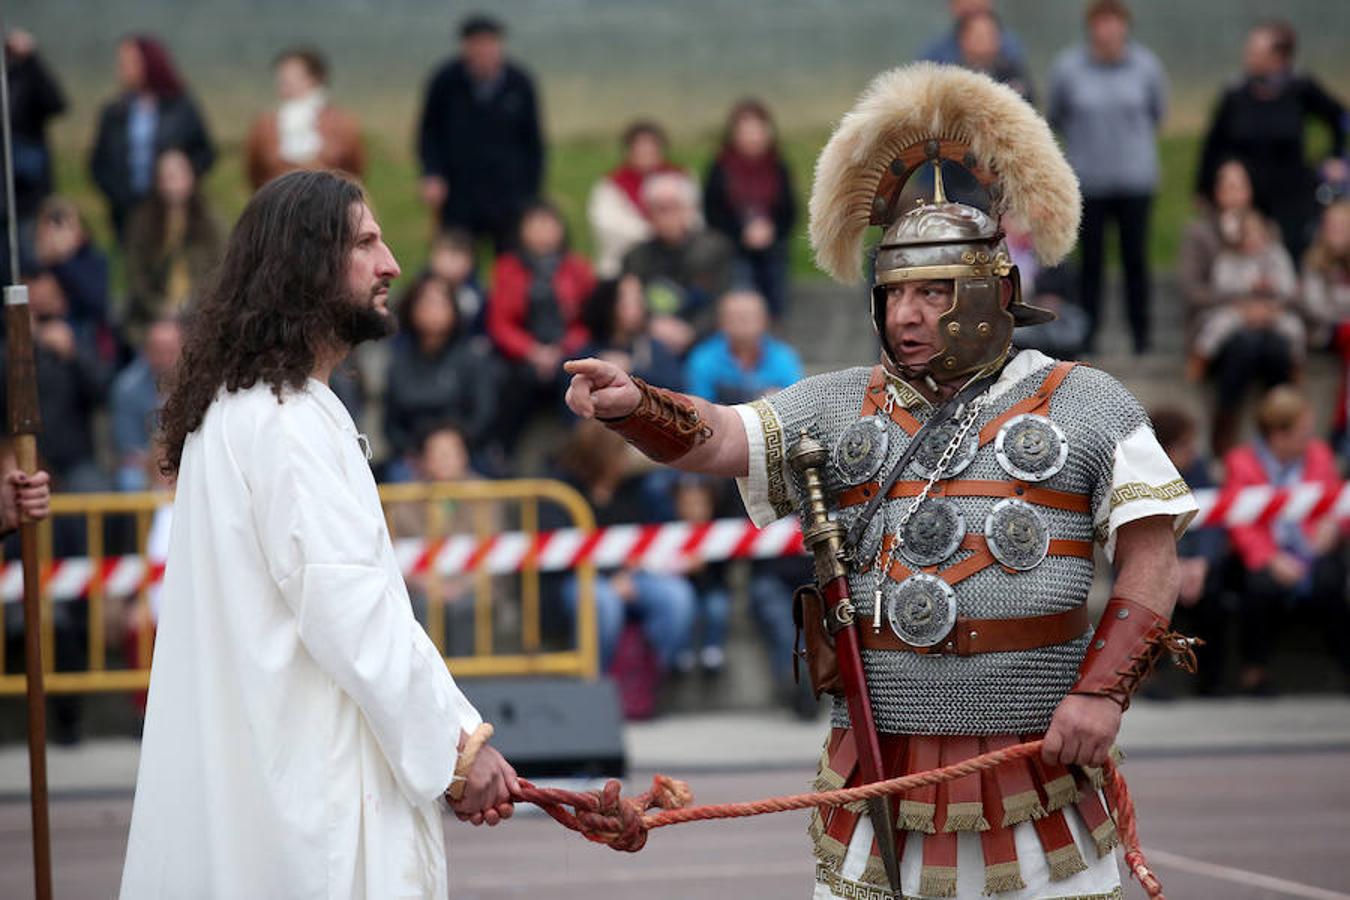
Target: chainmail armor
[991, 693]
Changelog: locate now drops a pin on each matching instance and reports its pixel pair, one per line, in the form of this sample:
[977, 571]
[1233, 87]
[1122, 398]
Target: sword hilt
[823, 536]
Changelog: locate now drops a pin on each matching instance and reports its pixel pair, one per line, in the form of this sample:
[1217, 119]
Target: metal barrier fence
[480, 508]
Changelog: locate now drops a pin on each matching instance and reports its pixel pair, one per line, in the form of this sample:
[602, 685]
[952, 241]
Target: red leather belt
[971, 636]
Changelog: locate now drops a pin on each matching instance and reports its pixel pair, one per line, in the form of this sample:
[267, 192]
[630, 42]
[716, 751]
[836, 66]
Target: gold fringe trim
[1113, 894]
[829, 851]
[827, 779]
[1095, 776]
[1106, 838]
[1060, 792]
[1064, 862]
[965, 817]
[1002, 877]
[916, 816]
[1022, 807]
[937, 881]
[874, 872]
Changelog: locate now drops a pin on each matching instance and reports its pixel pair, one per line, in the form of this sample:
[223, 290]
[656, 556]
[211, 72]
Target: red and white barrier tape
[651, 546]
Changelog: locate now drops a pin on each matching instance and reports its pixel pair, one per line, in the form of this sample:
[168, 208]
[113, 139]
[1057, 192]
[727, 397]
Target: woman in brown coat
[305, 131]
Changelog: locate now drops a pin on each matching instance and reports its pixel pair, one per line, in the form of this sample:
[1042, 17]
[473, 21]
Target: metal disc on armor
[935, 440]
[933, 533]
[1031, 447]
[921, 609]
[1017, 534]
[860, 450]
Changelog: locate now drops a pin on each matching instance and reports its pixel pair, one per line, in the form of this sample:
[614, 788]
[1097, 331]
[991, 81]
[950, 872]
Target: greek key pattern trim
[774, 453]
[905, 394]
[1138, 490]
[848, 889]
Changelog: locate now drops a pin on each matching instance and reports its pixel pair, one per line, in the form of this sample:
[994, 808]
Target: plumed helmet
[914, 131]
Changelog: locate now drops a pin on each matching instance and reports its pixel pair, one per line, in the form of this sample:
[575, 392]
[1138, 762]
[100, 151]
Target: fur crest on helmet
[911, 104]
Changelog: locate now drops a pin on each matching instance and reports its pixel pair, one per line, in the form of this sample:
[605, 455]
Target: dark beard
[360, 322]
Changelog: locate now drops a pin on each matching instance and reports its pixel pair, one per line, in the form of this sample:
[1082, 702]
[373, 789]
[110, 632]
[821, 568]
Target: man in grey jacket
[1107, 98]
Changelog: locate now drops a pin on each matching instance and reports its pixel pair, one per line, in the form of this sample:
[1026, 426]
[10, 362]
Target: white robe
[301, 726]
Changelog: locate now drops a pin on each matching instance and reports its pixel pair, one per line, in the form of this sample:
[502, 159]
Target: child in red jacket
[1290, 567]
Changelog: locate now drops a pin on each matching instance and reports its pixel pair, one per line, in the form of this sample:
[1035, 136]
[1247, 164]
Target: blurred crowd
[687, 288]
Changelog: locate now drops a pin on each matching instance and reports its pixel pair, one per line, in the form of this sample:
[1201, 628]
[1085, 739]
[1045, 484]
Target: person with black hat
[479, 138]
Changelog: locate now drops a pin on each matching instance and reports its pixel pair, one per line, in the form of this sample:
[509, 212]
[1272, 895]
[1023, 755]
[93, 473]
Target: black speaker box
[553, 727]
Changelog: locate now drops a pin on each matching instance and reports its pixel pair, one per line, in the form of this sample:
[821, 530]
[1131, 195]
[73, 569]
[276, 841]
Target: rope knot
[669, 793]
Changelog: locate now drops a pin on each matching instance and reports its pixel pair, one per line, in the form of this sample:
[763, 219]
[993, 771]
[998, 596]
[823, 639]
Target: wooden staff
[24, 425]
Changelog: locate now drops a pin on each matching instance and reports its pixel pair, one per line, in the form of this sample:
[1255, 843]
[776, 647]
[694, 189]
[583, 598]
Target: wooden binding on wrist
[464, 763]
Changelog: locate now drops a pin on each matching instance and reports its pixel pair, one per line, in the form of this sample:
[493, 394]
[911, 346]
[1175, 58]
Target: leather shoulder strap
[1036, 403]
[875, 399]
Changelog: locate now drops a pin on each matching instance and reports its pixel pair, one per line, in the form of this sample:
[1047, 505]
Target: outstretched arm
[602, 390]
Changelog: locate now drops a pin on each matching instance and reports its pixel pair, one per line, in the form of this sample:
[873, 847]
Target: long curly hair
[275, 306]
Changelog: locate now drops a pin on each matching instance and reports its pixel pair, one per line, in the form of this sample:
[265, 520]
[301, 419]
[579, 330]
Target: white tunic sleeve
[325, 542]
[1143, 483]
[765, 490]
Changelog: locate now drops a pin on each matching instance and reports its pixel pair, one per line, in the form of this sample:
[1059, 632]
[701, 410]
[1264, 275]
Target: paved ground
[1243, 827]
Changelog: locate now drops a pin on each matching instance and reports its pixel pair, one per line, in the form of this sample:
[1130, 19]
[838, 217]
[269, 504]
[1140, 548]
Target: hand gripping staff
[24, 424]
[825, 539]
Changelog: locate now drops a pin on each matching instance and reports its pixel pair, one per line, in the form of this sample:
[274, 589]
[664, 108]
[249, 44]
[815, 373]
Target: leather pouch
[822, 665]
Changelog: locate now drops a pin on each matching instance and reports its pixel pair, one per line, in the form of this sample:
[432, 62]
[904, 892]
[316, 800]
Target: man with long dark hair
[301, 726]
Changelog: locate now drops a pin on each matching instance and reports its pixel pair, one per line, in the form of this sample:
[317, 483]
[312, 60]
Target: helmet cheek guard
[976, 332]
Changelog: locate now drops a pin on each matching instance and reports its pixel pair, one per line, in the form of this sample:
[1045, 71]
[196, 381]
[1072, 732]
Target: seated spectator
[600, 464]
[1326, 274]
[615, 210]
[1066, 336]
[1291, 569]
[684, 266]
[305, 131]
[71, 386]
[1201, 553]
[153, 114]
[616, 317]
[695, 499]
[137, 395]
[1219, 224]
[741, 362]
[534, 312]
[438, 373]
[451, 261]
[1054, 289]
[979, 40]
[63, 247]
[946, 47]
[1251, 333]
[442, 455]
[173, 244]
[749, 199]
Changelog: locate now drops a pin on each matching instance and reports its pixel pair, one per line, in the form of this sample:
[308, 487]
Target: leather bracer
[1128, 642]
[665, 425]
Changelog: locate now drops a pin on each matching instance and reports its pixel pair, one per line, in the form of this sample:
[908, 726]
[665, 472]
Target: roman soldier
[955, 495]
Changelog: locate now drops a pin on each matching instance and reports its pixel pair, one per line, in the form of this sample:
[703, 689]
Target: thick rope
[606, 817]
